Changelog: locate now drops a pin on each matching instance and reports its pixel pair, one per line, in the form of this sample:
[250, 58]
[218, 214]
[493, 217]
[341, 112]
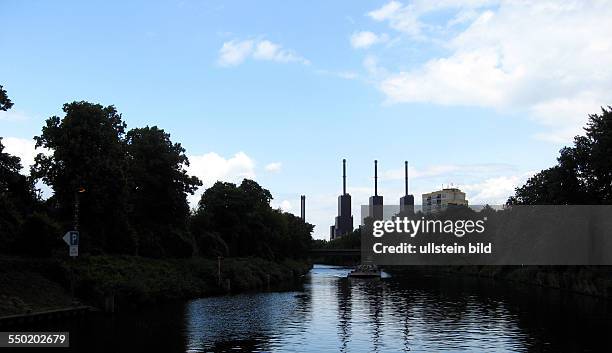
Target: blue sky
[476, 93]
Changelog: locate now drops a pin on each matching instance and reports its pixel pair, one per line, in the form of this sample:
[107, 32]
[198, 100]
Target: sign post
[72, 239]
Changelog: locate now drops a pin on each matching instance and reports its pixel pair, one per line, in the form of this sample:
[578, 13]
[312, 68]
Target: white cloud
[273, 167]
[400, 18]
[450, 171]
[285, 205]
[386, 12]
[494, 191]
[235, 52]
[24, 149]
[211, 167]
[407, 18]
[548, 59]
[267, 50]
[365, 39]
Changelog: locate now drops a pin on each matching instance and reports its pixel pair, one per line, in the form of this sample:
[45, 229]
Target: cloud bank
[549, 59]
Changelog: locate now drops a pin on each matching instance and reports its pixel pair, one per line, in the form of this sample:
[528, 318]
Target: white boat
[365, 271]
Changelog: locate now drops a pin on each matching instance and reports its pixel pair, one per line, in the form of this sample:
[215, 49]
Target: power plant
[303, 207]
[344, 220]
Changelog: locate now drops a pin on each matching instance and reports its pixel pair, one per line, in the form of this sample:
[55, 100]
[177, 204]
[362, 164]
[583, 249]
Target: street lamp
[79, 190]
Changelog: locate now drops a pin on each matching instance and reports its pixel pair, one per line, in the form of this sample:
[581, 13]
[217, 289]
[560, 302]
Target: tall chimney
[406, 175]
[344, 177]
[303, 207]
[375, 178]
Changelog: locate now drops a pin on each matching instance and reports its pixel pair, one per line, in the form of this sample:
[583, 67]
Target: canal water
[330, 313]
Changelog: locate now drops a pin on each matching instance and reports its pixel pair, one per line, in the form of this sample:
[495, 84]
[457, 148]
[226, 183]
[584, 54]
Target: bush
[39, 236]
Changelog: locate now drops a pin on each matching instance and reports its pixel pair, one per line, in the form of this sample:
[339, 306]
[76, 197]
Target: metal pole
[344, 177]
[76, 212]
[406, 175]
[375, 178]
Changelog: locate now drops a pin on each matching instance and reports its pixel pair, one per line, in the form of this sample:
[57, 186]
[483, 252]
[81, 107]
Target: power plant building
[344, 220]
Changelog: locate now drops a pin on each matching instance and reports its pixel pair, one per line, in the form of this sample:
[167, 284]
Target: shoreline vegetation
[585, 280]
[31, 285]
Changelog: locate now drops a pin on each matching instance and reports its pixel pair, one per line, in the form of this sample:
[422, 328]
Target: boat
[365, 271]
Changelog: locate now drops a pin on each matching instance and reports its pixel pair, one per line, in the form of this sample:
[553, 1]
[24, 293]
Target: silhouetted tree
[5, 102]
[241, 222]
[10, 215]
[594, 156]
[159, 186]
[88, 152]
[17, 195]
[583, 174]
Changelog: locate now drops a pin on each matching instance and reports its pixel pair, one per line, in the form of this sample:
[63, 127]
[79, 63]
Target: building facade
[440, 200]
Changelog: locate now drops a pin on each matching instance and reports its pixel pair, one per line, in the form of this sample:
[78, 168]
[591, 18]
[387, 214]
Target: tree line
[126, 191]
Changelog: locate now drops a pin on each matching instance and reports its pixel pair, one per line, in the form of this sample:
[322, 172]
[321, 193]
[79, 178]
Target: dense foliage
[583, 174]
[240, 221]
[88, 165]
[126, 191]
[159, 183]
[349, 241]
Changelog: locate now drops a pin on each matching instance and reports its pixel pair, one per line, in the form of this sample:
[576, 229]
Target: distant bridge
[334, 252]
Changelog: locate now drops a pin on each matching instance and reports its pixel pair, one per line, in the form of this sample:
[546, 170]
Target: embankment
[589, 280]
[29, 285]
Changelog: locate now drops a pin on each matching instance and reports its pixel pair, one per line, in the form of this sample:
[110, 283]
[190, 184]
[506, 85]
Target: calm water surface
[330, 313]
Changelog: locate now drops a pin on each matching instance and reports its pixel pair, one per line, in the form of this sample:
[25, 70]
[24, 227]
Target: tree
[10, 215]
[17, 194]
[239, 221]
[5, 102]
[88, 154]
[594, 156]
[159, 186]
[583, 174]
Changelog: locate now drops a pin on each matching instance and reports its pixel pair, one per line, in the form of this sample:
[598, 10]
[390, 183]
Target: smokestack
[344, 177]
[375, 178]
[406, 175]
[303, 207]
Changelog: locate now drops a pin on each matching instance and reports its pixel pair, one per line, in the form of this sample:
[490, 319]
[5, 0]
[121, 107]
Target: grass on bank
[41, 284]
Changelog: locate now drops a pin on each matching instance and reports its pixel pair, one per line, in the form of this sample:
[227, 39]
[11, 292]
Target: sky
[478, 94]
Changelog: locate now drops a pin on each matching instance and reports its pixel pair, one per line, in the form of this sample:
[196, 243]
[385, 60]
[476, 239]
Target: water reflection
[343, 295]
[424, 314]
[330, 313]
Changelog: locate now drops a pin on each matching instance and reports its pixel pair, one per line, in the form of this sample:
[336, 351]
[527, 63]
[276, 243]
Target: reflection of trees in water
[401, 301]
[158, 329]
[374, 290]
[558, 321]
[251, 344]
[343, 295]
[302, 313]
[250, 322]
[457, 310]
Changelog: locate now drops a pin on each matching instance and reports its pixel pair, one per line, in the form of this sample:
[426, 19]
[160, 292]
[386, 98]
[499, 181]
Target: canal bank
[588, 280]
[331, 313]
[115, 283]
